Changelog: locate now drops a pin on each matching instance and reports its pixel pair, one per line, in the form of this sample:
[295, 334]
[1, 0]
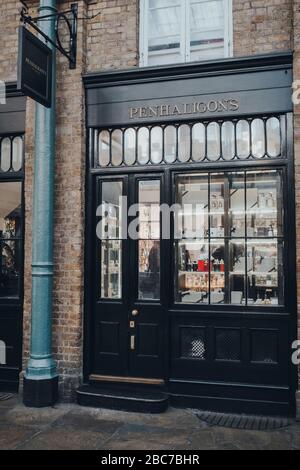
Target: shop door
[129, 307]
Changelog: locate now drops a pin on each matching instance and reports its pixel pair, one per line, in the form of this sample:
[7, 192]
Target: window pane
[117, 147]
[207, 23]
[228, 143]
[217, 271]
[143, 145]
[149, 209]
[258, 138]
[111, 199]
[111, 269]
[17, 153]
[273, 137]
[170, 144]
[184, 143]
[164, 31]
[198, 137]
[149, 269]
[243, 139]
[10, 258]
[5, 154]
[237, 204]
[237, 272]
[192, 198]
[156, 145]
[217, 214]
[264, 263]
[149, 244]
[104, 148]
[192, 267]
[264, 204]
[129, 146]
[213, 141]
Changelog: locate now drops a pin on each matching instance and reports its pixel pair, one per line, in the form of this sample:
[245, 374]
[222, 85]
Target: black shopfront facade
[205, 315]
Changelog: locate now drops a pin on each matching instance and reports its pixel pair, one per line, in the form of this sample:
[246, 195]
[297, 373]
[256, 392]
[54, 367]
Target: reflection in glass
[111, 269]
[10, 210]
[164, 22]
[192, 267]
[237, 272]
[258, 138]
[273, 137]
[228, 143]
[129, 146]
[264, 263]
[5, 154]
[184, 143]
[143, 145]
[207, 29]
[17, 153]
[149, 269]
[264, 193]
[243, 139]
[111, 199]
[198, 139]
[104, 148]
[213, 141]
[10, 238]
[170, 144]
[149, 236]
[116, 147]
[217, 271]
[191, 221]
[156, 145]
[237, 204]
[217, 215]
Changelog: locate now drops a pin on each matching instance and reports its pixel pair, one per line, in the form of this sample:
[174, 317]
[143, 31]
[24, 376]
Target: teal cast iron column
[41, 379]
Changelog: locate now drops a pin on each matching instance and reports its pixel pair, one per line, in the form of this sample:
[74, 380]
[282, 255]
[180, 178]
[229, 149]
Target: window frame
[185, 49]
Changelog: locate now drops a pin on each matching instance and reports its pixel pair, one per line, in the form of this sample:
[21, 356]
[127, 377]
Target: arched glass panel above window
[257, 138]
[11, 154]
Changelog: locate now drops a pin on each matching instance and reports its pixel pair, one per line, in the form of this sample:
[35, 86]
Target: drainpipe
[41, 378]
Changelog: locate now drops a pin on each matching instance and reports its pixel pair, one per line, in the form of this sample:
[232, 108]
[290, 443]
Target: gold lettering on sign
[36, 67]
[194, 108]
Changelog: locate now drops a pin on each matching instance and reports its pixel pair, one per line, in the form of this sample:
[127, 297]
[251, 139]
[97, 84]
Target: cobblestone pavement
[70, 427]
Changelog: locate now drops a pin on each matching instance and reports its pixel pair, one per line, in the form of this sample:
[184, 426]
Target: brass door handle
[134, 313]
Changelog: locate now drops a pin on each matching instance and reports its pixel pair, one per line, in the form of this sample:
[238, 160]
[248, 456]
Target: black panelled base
[136, 400]
[40, 393]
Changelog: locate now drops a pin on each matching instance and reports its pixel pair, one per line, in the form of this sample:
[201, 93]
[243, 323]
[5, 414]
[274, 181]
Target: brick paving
[70, 427]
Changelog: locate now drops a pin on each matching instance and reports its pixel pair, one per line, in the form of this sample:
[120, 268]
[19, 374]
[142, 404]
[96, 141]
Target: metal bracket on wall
[69, 18]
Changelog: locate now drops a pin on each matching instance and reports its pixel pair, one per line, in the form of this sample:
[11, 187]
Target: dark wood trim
[235, 65]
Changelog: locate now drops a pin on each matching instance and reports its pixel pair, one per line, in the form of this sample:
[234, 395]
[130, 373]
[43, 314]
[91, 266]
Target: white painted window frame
[185, 31]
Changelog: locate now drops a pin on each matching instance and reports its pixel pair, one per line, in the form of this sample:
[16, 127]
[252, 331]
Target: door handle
[134, 313]
[132, 342]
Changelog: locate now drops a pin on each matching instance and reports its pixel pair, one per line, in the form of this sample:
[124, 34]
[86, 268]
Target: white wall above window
[173, 31]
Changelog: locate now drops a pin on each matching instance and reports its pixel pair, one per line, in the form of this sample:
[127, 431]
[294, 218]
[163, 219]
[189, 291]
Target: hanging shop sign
[34, 68]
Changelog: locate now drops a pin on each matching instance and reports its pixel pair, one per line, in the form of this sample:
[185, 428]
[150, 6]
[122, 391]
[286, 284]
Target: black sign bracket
[69, 17]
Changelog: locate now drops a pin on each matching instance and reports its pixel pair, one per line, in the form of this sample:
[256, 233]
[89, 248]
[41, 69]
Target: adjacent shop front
[200, 304]
[12, 130]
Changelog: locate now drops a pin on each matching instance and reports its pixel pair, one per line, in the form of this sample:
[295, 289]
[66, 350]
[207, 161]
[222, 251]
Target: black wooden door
[129, 311]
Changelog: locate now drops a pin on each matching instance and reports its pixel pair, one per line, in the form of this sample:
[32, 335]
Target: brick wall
[110, 41]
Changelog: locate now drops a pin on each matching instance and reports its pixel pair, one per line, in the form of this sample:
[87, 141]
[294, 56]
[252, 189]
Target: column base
[40, 393]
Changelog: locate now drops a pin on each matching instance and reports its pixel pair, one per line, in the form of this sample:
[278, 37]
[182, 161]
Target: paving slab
[71, 427]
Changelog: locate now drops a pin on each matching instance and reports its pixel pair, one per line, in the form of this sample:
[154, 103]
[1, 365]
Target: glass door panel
[110, 234]
[149, 240]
